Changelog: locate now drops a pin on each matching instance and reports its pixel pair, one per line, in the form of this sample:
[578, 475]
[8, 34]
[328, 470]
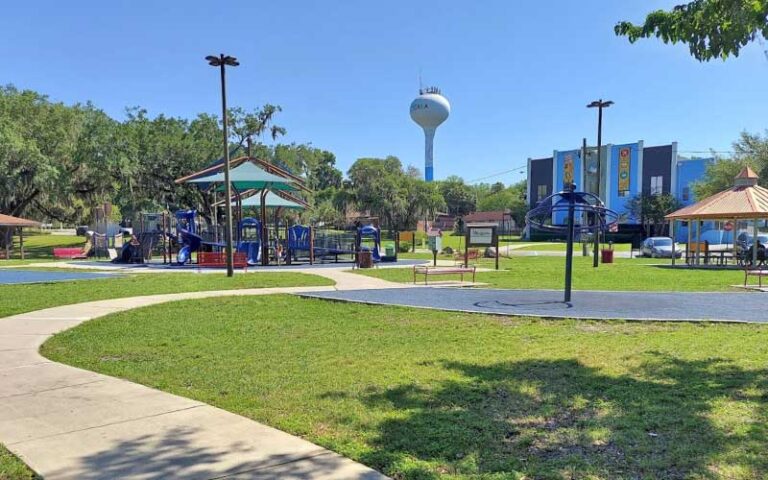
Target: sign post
[435, 242]
[481, 235]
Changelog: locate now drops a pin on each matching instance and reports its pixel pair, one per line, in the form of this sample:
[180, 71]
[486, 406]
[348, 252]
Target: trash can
[607, 255]
[390, 250]
[364, 259]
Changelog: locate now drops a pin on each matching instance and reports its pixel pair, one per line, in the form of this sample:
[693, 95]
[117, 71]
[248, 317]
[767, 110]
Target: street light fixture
[600, 105]
[222, 61]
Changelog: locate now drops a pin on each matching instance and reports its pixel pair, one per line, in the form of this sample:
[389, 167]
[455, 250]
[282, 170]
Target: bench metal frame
[426, 270]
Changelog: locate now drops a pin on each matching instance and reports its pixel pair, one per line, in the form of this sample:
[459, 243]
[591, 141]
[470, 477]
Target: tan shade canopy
[745, 200]
[9, 221]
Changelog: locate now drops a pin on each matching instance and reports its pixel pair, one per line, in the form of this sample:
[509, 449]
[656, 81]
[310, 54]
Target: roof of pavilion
[214, 174]
[745, 200]
[9, 221]
[277, 199]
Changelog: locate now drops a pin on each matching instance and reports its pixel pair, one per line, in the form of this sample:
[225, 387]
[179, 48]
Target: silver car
[658, 247]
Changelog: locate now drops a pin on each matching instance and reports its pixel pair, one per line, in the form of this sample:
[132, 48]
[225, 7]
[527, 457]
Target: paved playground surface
[733, 307]
[14, 276]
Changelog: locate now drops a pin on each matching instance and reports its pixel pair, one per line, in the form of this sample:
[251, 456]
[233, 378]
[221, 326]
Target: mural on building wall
[590, 171]
[568, 170]
[624, 169]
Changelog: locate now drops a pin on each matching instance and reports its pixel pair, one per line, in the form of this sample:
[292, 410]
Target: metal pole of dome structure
[599, 104]
[222, 61]
[569, 245]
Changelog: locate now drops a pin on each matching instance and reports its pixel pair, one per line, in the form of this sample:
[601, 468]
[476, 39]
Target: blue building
[627, 170]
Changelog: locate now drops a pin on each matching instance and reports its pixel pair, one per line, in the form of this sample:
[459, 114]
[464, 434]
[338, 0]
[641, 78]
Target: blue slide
[191, 243]
[252, 250]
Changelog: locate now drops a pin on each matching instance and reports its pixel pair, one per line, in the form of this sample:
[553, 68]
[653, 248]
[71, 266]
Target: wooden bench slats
[68, 252]
[219, 259]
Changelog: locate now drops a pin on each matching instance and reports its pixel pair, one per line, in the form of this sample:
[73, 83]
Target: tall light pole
[600, 105]
[222, 61]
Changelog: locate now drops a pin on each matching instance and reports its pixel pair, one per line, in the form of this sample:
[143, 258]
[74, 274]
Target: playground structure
[177, 238]
[559, 212]
[269, 240]
[319, 244]
[104, 234]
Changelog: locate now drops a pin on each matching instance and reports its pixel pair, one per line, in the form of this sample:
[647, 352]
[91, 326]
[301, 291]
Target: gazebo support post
[215, 219]
[733, 238]
[8, 241]
[311, 244]
[21, 241]
[672, 234]
[755, 244]
[698, 241]
[264, 232]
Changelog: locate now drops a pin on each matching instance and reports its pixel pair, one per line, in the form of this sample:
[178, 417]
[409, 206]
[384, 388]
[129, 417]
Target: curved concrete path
[68, 423]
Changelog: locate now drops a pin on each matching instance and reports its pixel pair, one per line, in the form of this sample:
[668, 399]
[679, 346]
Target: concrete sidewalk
[68, 423]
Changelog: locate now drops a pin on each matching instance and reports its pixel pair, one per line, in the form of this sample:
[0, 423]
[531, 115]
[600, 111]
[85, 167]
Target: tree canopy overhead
[710, 28]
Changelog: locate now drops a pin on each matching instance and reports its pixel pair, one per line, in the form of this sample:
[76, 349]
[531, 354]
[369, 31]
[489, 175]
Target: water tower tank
[429, 110]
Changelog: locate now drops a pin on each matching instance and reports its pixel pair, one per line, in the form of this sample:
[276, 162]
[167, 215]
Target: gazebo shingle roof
[9, 221]
[745, 200]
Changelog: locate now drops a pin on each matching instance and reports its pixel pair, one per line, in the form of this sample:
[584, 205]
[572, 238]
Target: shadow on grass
[562, 419]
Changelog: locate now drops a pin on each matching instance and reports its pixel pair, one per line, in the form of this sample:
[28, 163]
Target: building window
[657, 185]
[541, 191]
[686, 194]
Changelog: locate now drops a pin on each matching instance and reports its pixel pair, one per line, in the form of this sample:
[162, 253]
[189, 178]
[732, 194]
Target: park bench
[219, 259]
[427, 270]
[70, 253]
[755, 272]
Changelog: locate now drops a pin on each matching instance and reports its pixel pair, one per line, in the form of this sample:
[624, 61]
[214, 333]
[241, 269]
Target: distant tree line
[62, 161]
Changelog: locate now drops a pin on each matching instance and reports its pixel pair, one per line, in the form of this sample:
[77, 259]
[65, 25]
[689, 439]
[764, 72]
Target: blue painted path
[9, 276]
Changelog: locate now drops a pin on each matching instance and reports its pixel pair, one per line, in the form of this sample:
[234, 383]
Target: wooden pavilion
[745, 202]
[9, 224]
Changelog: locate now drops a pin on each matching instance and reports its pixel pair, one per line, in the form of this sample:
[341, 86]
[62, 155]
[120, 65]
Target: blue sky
[518, 74]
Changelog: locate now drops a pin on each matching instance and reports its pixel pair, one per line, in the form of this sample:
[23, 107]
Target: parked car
[659, 247]
[745, 239]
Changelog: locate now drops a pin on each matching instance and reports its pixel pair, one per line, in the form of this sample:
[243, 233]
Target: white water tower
[429, 110]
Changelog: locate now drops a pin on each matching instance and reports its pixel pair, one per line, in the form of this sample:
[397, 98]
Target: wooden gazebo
[9, 224]
[745, 201]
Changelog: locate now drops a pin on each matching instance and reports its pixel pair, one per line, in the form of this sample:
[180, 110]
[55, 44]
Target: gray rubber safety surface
[664, 306]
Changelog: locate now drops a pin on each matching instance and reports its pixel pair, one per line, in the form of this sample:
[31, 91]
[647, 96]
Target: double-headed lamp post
[599, 105]
[222, 61]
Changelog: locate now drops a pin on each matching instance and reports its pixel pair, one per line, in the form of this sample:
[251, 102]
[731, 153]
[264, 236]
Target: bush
[405, 247]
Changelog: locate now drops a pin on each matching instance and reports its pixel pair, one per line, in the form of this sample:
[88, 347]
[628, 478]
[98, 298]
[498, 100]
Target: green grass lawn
[456, 242]
[42, 245]
[624, 274]
[560, 247]
[423, 394]
[25, 298]
[11, 468]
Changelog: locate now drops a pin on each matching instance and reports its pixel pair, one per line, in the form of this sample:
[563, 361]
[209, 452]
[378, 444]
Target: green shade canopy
[272, 201]
[249, 176]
